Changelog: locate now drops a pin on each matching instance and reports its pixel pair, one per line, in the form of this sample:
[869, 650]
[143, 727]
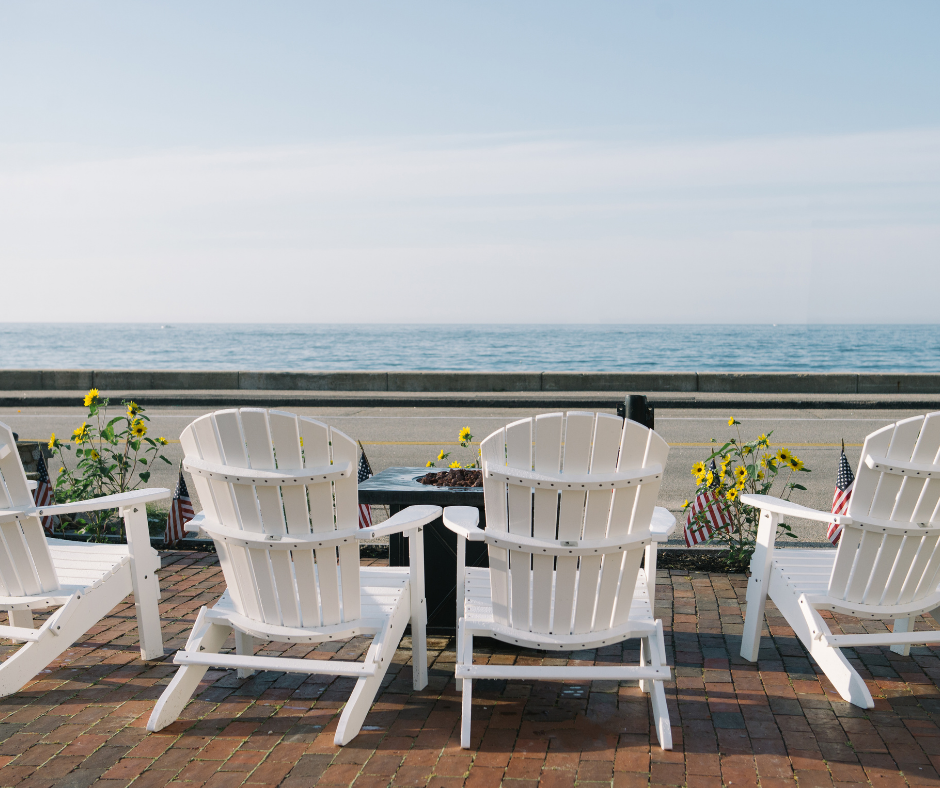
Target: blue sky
[484, 162]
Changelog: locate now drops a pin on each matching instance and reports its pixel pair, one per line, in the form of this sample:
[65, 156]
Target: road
[412, 436]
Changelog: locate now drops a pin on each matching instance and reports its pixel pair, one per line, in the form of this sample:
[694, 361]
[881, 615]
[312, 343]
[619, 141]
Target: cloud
[483, 229]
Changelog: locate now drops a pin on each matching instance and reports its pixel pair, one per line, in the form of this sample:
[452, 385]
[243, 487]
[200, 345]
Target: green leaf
[797, 487]
[142, 460]
[145, 476]
[165, 460]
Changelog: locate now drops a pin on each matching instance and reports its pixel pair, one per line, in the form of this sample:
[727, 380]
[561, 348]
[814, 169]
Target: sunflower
[93, 454]
[795, 463]
[91, 398]
[740, 473]
[762, 440]
[441, 456]
[52, 441]
[783, 455]
[731, 494]
[81, 434]
[132, 409]
[164, 441]
[760, 476]
[465, 437]
[138, 428]
[698, 469]
[685, 504]
[732, 421]
[429, 464]
[739, 485]
[709, 478]
[454, 464]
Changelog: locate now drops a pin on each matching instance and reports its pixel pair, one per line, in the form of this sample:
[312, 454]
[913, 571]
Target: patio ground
[83, 721]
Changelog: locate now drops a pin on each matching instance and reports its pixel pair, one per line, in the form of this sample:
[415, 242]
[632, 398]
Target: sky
[484, 162]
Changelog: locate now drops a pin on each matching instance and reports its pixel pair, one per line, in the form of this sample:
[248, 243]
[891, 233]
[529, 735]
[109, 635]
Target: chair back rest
[568, 594]
[304, 587]
[890, 555]
[25, 562]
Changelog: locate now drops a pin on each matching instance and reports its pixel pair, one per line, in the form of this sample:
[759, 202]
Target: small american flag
[714, 516]
[42, 495]
[181, 511]
[365, 471]
[845, 483]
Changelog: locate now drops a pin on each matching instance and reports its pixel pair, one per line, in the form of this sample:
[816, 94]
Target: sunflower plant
[737, 468]
[466, 440]
[113, 456]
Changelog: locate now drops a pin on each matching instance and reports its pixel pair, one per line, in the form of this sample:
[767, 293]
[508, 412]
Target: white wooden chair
[280, 500]
[84, 581]
[569, 511]
[887, 564]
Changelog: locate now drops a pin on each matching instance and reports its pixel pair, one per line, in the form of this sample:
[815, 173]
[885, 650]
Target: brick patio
[83, 721]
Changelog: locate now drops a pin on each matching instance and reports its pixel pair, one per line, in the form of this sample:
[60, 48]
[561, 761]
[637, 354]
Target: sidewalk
[774, 723]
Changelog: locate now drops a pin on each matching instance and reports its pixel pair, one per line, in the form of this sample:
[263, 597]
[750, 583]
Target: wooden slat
[19, 555]
[209, 449]
[927, 505]
[9, 579]
[239, 579]
[329, 588]
[206, 497]
[493, 452]
[346, 491]
[12, 470]
[902, 566]
[316, 453]
[928, 580]
[866, 480]
[579, 430]
[882, 569]
[306, 580]
[864, 561]
[845, 559]
[264, 581]
[925, 453]
[286, 437]
[261, 455]
[923, 559]
[519, 455]
[39, 552]
[229, 429]
[349, 577]
[548, 431]
[901, 448]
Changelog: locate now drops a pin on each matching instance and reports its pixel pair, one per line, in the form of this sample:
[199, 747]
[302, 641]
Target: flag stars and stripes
[365, 471]
[845, 483]
[181, 512]
[42, 495]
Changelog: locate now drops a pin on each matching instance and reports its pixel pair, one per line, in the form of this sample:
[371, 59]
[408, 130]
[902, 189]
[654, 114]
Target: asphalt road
[412, 436]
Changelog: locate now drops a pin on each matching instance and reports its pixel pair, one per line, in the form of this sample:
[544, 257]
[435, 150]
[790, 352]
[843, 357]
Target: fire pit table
[398, 488]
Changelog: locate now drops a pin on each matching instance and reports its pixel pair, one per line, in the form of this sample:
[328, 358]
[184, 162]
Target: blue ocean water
[856, 348]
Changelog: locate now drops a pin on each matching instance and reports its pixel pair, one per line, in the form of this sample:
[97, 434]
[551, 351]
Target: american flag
[181, 511]
[714, 517]
[365, 471]
[42, 495]
[845, 483]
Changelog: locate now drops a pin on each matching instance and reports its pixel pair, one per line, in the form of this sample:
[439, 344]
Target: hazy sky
[470, 162]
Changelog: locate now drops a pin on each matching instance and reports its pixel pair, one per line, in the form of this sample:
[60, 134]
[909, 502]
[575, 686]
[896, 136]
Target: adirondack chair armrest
[464, 521]
[405, 520]
[119, 501]
[778, 505]
[662, 525]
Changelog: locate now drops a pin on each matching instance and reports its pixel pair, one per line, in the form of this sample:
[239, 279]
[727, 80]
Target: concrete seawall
[484, 382]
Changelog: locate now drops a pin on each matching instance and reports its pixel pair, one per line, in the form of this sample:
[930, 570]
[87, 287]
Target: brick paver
[82, 722]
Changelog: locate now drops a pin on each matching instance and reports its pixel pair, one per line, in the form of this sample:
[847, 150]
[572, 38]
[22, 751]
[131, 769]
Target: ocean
[811, 348]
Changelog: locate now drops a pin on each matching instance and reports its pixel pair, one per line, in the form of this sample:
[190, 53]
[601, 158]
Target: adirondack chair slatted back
[568, 595]
[25, 563]
[883, 566]
[305, 587]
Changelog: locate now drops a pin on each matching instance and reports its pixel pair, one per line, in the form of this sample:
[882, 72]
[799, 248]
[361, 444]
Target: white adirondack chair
[569, 512]
[887, 564]
[280, 498]
[83, 580]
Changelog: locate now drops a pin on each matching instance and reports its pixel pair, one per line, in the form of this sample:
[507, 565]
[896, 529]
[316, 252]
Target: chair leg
[465, 657]
[244, 646]
[144, 560]
[903, 625]
[753, 617]
[21, 618]
[206, 637]
[419, 613]
[802, 618]
[655, 647]
[363, 695]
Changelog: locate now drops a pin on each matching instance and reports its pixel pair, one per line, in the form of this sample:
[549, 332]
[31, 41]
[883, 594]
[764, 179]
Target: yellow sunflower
[760, 476]
[132, 409]
[454, 464]
[731, 494]
[783, 455]
[91, 397]
[81, 434]
[732, 421]
[698, 469]
[429, 464]
[164, 441]
[739, 485]
[762, 440]
[740, 473]
[93, 454]
[709, 478]
[52, 441]
[441, 456]
[795, 463]
[138, 428]
[465, 436]
[685, 504]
